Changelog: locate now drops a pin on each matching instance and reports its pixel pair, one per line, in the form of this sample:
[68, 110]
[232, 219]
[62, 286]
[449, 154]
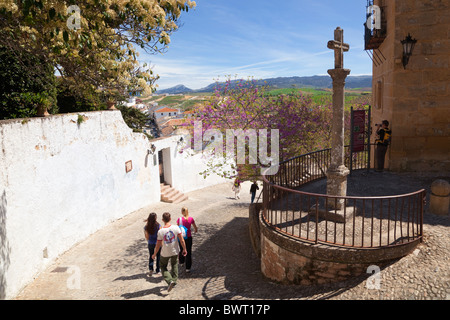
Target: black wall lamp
[408, 47]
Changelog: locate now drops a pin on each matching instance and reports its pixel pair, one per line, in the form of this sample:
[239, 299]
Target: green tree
[91, 43]
[69, 102]
[133, 117]
[21, 92]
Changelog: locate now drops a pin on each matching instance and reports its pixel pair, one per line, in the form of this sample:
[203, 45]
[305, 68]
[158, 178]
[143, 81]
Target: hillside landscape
[321, 82]
[318, 87]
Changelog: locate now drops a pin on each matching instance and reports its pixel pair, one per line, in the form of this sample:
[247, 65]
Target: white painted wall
[61, 181]
[182, 171]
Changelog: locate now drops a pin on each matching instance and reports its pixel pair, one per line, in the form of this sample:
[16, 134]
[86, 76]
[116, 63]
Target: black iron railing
[368, 222]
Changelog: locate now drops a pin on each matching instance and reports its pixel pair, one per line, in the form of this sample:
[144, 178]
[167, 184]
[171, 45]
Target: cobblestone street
[112, 263]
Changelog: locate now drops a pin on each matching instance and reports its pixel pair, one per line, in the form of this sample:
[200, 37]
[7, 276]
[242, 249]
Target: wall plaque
[128, 166]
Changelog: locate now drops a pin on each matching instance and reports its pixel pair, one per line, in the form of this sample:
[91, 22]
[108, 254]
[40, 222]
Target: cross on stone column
[337, 172]
[339, 48]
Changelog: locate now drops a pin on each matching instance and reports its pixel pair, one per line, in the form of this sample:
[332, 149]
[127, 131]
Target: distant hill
[175, 90]
[352, 82]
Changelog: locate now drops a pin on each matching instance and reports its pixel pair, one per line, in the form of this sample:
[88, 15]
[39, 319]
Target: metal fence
[368, 222]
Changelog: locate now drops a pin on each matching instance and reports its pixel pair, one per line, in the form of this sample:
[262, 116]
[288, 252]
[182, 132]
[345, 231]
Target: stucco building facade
[414, 98]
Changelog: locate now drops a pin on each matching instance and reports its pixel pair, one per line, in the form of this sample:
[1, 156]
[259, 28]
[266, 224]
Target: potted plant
[110, 103]
[43, 103]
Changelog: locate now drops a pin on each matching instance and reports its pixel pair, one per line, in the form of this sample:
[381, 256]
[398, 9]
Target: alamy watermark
[74, 280]
[74, 21]
[235, 146]
[374, 281]
[374, 17]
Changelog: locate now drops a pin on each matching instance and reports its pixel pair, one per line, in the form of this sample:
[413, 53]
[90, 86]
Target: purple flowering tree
[244, 107]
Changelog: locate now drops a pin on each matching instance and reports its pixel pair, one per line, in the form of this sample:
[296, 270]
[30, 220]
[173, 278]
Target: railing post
[351, 140]
[317, 220]
[369, 129]
[422, 203]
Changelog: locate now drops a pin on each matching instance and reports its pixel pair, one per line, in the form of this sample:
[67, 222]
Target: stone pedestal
[440, 197]
[337, 173]
[336, 209]
[337, 186]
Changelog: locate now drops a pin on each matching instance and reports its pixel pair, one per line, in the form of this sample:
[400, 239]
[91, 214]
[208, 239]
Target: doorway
[165, 173]
[161, 166]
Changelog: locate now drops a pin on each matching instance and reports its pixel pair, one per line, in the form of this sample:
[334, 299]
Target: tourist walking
[253, 189]
[187, 221]
[237, 189]
[151, 229]
[167, 241]
[382, 142]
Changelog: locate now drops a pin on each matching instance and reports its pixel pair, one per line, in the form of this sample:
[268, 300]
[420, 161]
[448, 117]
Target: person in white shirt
[167, 240]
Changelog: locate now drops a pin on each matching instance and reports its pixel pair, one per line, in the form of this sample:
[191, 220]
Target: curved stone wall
[289, 260]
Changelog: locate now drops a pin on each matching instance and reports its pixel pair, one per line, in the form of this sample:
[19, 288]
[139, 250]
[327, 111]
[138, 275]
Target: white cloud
[222, 41]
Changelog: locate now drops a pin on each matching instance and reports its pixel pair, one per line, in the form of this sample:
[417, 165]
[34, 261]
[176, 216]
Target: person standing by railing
[382, 143]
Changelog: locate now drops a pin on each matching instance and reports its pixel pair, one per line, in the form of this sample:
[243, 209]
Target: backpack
[183, 229]
[387, 137]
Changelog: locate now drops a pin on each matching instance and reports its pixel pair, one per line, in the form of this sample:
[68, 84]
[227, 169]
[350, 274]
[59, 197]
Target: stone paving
[111, 264]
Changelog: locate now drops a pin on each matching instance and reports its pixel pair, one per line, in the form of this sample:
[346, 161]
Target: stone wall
[289, 260]
[63, 177]
[416, 100]
[254, 227]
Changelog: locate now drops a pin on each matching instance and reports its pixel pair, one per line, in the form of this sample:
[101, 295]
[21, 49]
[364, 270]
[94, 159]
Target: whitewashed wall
[182, 170]
[61, 180]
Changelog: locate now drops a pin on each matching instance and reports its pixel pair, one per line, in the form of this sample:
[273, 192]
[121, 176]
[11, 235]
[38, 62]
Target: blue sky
[260, 39]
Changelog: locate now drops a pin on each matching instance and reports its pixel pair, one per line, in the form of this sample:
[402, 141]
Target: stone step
[171, 195]
[164, 187]
[181, 197]
[168, 197]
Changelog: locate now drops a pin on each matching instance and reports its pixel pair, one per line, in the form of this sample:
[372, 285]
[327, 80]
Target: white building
[166, 112]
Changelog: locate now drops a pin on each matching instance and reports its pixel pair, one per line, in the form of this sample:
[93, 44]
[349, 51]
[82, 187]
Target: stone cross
[339, 48]
[337, 172]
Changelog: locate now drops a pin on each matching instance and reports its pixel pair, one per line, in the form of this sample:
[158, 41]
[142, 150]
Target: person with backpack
[187, 221]
[167, 241]
[382, 143]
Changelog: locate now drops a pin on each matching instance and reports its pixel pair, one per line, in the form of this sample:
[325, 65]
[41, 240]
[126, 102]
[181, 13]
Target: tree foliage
[133, 117]
[94, 46]
[20, 92]
[303, 124]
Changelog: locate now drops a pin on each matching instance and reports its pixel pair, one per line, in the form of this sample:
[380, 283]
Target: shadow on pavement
[225, 257]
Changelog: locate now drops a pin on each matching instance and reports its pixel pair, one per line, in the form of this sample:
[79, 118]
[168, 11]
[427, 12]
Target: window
[379, 94]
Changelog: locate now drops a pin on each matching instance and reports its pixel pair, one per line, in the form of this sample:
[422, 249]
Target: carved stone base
[335, 215]
[337, 185]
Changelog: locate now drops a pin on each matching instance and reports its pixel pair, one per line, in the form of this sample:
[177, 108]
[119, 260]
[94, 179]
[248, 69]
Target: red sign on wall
[358, 130]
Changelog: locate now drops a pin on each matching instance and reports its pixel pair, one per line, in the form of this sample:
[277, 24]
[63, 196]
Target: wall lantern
[152, 149]
[408, 47]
